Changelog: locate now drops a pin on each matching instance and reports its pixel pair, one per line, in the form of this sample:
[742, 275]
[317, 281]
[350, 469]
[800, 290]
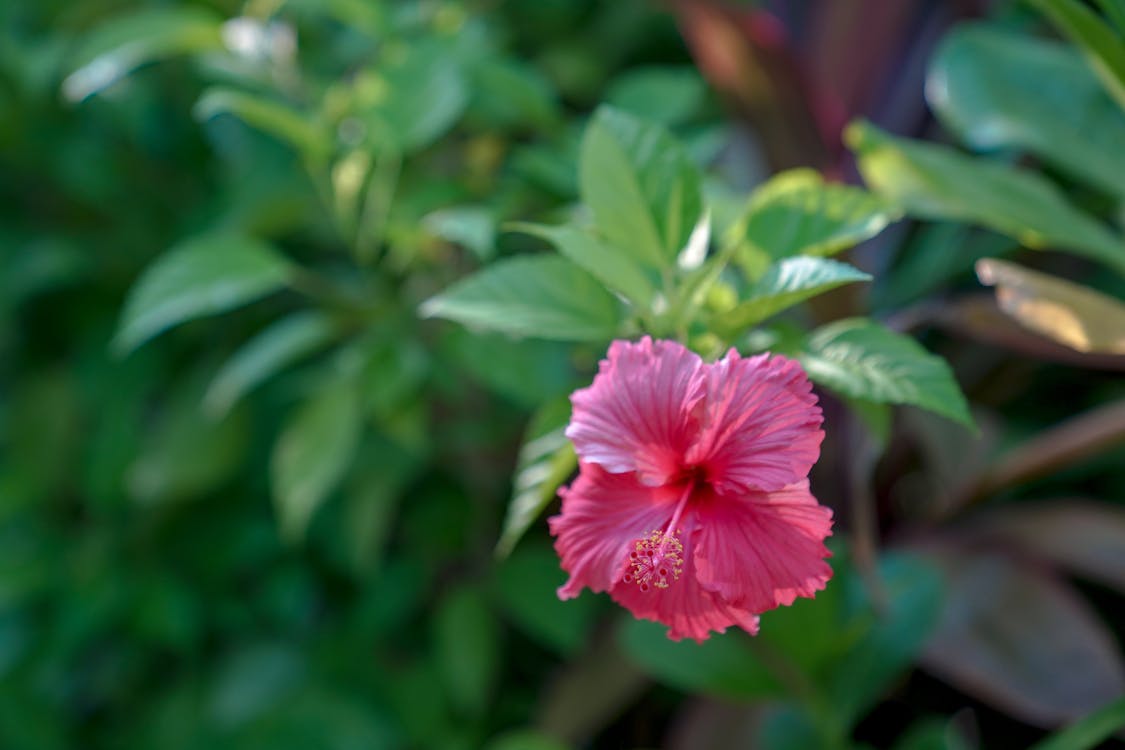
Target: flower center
[655, 561]
[657, 558]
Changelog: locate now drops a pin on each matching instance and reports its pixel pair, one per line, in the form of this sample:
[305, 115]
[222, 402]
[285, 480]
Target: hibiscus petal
[639, 413]
[763, 550]
[689, 610]
[602, 516]
[761, 424]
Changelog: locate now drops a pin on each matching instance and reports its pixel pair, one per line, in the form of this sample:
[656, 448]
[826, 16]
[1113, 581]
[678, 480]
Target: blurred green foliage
[251, 497]
[328, 161]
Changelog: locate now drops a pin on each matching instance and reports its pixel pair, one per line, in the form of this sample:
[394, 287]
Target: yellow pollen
[656, 561]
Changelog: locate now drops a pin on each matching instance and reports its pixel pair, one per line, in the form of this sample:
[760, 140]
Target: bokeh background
[198, 555]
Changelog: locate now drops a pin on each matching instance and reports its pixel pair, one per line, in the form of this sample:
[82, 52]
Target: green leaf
[666, 95]
[938, 253]
[370, 19]
[864, 360]
[546, 460]
[798, 213]
[810, 634]
[312, 454]
[936, 182]
[473, 227]
[422, 94]
[526, 583]
[372, 496]
[253, 679]
[1115, 12]
[467, 646]
[787, 283]
[1102, 47]
[199, 277]
[641, 185]
[609, 264]
[888, 646]
[542, 296]
[281, 344]
[722, 665]
[333, 714]
[1003, 90]
[184, 455]
[279, 120]
[526, 739]
[932, 734]
[121, 45]
[508, 93]
[788, 727]
[526, 371]
[1089, 732]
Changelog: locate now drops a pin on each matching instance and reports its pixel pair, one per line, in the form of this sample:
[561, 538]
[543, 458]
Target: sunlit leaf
[610, 265]
[121, 45]
[546, 460]
[1003, 90]
[864, 360]
[979, 317]
[937, 182]
[641, 186]
[1014, 637]
[1069, 313]
[279, 345]
[312, 453]
[798, 213]
[786, 283]
[202, 276]
[542, 296]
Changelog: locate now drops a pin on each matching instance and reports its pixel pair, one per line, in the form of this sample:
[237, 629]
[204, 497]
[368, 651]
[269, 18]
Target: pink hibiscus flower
[692, 503]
